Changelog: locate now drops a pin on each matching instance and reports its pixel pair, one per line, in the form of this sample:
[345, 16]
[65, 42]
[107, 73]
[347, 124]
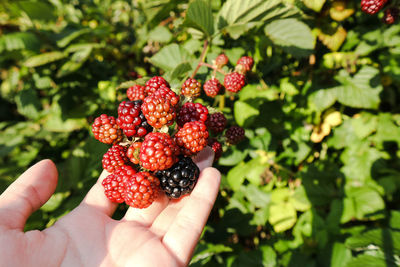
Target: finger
[96, 198]
[28, 193]
[165, 219]
[204, 158]
[185, 230]
[148, 215]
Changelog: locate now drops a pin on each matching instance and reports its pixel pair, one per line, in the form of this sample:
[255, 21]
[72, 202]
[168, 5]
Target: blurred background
[316, 181]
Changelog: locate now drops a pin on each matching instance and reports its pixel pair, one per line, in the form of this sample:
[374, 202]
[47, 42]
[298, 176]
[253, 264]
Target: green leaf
[236, 176]
[244, 112]
[322, 99]
[238, 16]
[360, 91]
[199, 16]
[282, 216]
[300, 200]
[340, 255]
[75, 63]
[36, 10]
[160, 34]
[269, 256]
[367, 202]
[292, 35]
[315, 5]
[28, 103]
[44, 58]
[55, 201]
[169, 57]
[366, 260]
[232, 156]
[19, 40]
[72, 36]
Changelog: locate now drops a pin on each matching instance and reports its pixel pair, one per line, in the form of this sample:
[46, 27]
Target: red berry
[191, 88]
[234, 135]
[212, 87]
[158, 152]
[221, 60]
[234, 82]
[372, 7]
[131, 119]
[114, 184]
[158, 111]
[217, 147]
[192, 137]
[133, 152]
[141, 189]
[167, 93]
[136, 92]
[154, 83]
[192, 112]
[114, 158]
[216, 122]
[106, 129]
[244, 64]
[391, 15]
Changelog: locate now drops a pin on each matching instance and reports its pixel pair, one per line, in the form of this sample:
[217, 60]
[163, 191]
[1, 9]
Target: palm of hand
[164, 234]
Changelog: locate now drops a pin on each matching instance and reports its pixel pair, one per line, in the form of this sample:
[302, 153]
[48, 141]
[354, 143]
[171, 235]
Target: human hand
[164, 234]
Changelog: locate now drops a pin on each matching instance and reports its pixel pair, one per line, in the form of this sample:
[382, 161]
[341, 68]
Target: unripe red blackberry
[372, 7]
[180, 179]
[217, 147]
[141, 189]
[191, 112]
[106, 130]
[234, 82]
[133, 152]
[192, 137]
[136, 92]
[154, 83]
[391, 15]
[191, 88]
[212, 87]
[221, 60]
[131, 119]
[234, 135]
[167, 93]
[216, 122]
[114, 184]
[244, 64]
[158, 111]
[158, 152]
[114, 158]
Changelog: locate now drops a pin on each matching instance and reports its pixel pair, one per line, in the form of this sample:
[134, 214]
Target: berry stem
[202, 57]
[212, 67]
[221, 102]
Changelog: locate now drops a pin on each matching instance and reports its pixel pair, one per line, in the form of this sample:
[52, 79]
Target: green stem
[221, 102]
[202, 57]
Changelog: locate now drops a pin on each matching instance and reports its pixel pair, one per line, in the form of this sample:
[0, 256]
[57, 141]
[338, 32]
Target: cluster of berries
[158, 131]
[372, 7]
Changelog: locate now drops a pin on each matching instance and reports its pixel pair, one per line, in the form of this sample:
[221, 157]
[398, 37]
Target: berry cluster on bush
[391, 12]
[157, 131]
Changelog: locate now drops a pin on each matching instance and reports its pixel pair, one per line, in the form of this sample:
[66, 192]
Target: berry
[158, 111]
[158, 152]
[191, 112]
[167, 93]
[244, 64]
[217, 147]
[192, 137]
[221, 60]
[212, 87]
[141, 189]
[131, 120]
[106, 129]
[114, 158]
[180, 179]
[154, 83]
[234, 82]
[133, 152]
[191, 88]
[234, 135]
[136, 92]
[216, 122]
[372, 7]
[391, 15]
[114, 184]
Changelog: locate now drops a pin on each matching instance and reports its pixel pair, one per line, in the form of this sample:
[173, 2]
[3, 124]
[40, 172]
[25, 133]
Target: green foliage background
[316, 183]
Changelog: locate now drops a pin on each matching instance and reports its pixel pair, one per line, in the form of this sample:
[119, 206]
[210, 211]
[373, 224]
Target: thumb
[28, 193]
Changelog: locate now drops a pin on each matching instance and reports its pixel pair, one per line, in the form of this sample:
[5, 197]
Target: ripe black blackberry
[180, 179]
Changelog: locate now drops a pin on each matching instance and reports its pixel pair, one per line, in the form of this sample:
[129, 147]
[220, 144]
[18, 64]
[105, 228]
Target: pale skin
[164, 234]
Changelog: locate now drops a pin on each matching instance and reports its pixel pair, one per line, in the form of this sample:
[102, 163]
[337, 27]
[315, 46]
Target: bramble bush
[316, 182]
